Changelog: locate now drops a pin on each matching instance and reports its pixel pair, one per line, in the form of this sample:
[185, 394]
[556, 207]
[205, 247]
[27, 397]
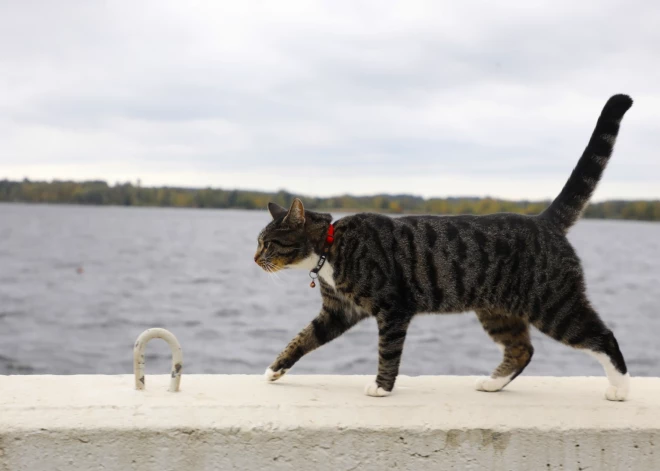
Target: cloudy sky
[430, 98]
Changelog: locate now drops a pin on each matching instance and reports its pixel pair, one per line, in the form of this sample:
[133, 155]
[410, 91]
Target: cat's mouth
[269, 266]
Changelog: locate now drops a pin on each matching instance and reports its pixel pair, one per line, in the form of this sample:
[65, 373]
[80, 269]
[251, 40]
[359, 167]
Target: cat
[512, 270]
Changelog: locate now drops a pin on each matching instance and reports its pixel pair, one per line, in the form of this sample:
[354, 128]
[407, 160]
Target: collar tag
[329, 240]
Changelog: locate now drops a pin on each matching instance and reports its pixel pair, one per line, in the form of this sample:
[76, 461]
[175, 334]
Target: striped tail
[566, 209]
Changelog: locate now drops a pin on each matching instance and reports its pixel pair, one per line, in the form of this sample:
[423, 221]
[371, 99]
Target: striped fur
[513, 270]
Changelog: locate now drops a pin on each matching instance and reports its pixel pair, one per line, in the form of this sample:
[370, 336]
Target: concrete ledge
[324, 423]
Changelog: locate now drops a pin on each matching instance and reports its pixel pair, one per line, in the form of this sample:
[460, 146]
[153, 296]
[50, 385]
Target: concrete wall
[323, 423]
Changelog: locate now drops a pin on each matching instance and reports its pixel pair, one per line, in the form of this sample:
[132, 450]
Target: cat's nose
[256, 258]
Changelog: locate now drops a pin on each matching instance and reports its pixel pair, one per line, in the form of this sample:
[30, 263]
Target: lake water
[192, 272]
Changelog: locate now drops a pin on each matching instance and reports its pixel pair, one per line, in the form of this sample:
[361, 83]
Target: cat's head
[290, 237]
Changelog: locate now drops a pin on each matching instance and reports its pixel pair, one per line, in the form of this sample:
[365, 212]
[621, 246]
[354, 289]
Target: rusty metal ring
[138, 357]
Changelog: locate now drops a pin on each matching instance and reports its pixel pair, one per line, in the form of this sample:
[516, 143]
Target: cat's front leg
[331, 322]
[392, 331]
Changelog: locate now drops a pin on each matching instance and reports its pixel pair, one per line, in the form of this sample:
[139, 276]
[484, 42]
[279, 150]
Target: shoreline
[324, 210]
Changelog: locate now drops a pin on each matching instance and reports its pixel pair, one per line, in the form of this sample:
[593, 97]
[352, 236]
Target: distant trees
[127, 194]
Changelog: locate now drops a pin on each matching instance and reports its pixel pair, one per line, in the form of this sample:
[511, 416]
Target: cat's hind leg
[579, 326]
[512, 335]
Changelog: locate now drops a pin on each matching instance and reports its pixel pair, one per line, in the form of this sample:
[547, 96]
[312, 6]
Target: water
[191, 271]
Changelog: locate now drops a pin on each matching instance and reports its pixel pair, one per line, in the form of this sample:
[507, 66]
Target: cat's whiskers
[272, 270]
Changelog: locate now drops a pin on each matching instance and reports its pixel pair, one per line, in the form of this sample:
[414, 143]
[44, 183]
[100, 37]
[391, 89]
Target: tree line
[127, 194]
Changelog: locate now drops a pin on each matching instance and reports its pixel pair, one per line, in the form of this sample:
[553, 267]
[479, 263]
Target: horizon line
[137, 184]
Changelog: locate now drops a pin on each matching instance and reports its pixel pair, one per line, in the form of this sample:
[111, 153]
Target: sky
[323, 98]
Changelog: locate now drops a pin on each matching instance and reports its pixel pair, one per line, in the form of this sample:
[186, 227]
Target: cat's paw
[489, 384]
[271, 375]
[619, 392]
[373, 390]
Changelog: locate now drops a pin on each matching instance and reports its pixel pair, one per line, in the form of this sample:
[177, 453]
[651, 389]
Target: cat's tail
[566, 209]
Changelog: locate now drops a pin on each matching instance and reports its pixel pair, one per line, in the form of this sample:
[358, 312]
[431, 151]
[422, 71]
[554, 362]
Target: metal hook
[138, 356]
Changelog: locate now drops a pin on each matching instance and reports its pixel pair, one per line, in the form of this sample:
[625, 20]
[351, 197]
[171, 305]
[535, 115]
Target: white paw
[619, 392]
[372, 389]
[271, 375]
[489, 384]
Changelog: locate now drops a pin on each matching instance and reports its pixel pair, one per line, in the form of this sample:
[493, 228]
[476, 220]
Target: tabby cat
[512, 270]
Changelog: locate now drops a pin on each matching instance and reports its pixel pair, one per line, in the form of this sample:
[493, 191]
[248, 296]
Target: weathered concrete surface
[324, 423]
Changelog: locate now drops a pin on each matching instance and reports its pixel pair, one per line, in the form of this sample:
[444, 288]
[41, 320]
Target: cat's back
[500, 234]
[452, 225]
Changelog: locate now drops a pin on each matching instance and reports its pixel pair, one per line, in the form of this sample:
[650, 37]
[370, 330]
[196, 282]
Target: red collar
[330, 238]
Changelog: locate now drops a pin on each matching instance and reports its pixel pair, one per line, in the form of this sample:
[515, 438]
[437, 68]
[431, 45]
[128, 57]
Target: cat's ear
[296, 214]
[276, 210]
